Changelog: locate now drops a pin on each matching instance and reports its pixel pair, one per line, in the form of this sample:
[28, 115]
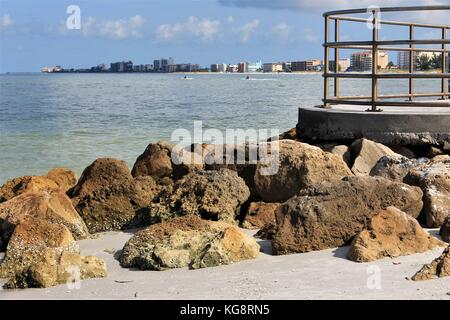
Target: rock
[187, 241]
[394, 167]
[366, 154]
[31, 238]
[118, 206]
[155, 161]
[185, 161]
[445, 229]
[332, 213]
[434, 151]
[260, 214]
[63, 268]
[439, 267]
[63, 177]
[101, 173]
[267, 232]
[53, 206]
[391, 233]
[17, 186]
[291, 134]
[404, 151]
[297, 166]
[434, 179]
[343, 152]
[213, 195]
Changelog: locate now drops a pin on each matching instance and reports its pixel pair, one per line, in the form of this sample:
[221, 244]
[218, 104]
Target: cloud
[247, 30]
[309, 35]
[6, 21]
[281, 31]
[203, 29]
[117, 29]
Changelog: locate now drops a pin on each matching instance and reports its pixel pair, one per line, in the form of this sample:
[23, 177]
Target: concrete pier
[392, 126]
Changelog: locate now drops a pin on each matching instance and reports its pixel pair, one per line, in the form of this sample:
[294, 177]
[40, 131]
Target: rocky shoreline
[373, 197]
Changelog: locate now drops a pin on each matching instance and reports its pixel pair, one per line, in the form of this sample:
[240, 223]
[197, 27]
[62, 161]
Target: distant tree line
[425, 62]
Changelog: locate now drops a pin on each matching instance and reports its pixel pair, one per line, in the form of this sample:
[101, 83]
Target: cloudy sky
[34, 33]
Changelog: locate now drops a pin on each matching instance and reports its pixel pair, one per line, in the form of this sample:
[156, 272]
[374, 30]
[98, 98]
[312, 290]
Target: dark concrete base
[393, 126]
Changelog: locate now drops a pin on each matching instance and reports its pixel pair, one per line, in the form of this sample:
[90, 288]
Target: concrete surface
[392, 126]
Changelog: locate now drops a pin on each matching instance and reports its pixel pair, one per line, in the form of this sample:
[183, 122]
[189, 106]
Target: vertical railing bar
[443, 61]
[336, 57]
[374, 60]
[326, 62]
[411, 63]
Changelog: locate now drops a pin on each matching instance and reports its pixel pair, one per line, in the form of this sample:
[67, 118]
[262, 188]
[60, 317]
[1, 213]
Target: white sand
[322, 274]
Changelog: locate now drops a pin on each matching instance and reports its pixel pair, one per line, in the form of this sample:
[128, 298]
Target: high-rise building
[273, 67]
[219, 67]
[344, 64]
[307, 65]
[362, 61]
[123, 66]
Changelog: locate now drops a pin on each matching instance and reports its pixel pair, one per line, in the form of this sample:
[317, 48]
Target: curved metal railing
[375, 46]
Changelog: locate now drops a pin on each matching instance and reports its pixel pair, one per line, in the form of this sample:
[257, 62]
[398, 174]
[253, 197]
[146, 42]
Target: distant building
[307, 65]
[162, 65]
[403, 58]
[362, 61]
[344, 64]
[242, 67]
[250, 66]
[187, 67]
[273, 67]
[51, 69]
[219, 67]
[123, 66]
[232, 68]
[287, 66]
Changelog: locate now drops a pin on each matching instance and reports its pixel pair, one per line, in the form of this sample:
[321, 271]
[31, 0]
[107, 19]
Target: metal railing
[375, 46]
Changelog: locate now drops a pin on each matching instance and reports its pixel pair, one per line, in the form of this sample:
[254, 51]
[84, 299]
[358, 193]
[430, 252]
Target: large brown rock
[366, 154]
[155, 161]
[31, 238]
[20, 185]
[118, 206]
[434, 179]
[260, 214]
[101, 173]
[439, 267]
[297, 166]
[445, 229]
[53, 206]
[395, 168]
[391, 233]
[213, 195]
[187, 241]
[63, 177]
[332, 213]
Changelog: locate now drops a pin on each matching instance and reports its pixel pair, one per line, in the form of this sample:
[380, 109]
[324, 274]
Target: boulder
[366, 154]
[155, 161]
[445, 229]
[213, 195]
[187, 241]
[391, 233]
[434, 179]
[259, 214]
[332, 213]
[404, 151]
[63, 177]
[31, 238]
[101, 173]
[439, 267]
[53, 206]
[118, 206]
[17, 186]
[295, 166]
[394, 167]
[290, 134]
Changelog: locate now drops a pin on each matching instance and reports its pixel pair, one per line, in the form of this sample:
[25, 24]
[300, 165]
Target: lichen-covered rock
[187, 241]
[118, 206]
[20, 185]
[297, 166]
[332, 213]
[53, 206]
[366, 154]
[30, 240]
[445, 229]
[212, 195]
[101, 173]
[391, 233]
[259, 214]
[155, 161]
[439, 267]
[63, 177]
[394, 167]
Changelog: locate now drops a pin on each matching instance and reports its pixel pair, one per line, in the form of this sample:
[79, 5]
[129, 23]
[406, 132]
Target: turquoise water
[49, 120]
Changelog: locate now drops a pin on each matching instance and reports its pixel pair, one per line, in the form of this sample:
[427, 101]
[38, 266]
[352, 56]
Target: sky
[34, 34]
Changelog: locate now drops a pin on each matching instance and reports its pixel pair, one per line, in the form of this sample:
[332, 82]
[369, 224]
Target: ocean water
[50, 120]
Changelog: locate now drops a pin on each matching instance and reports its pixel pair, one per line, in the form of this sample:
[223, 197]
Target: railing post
[374, 61]
[443, 61]
[326, 62]
[336, 58]
[411, 63]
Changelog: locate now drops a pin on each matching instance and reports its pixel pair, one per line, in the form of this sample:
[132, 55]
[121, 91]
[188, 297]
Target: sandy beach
[325, 274]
